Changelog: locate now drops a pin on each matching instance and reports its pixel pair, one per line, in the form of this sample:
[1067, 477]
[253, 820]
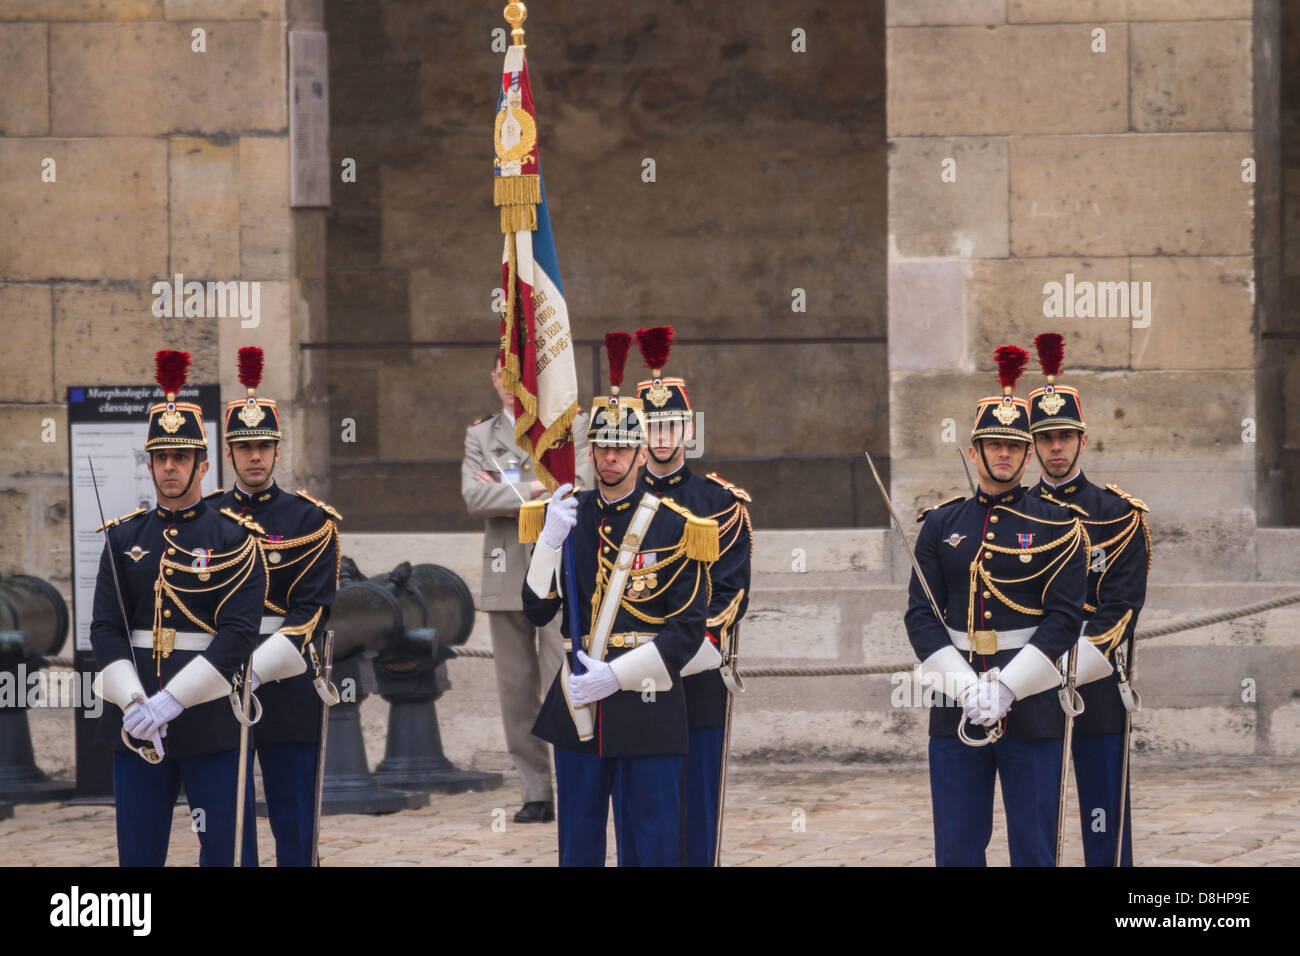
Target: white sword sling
[584, 717]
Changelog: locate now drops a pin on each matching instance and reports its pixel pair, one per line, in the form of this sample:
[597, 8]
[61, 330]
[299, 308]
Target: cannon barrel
[33, 619]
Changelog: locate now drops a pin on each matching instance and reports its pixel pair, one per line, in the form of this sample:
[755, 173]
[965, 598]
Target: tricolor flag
[535, 339]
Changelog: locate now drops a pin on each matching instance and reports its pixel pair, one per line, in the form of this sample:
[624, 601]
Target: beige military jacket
[505, 560]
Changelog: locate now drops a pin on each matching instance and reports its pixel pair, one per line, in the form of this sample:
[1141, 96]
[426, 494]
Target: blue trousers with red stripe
[650, 801]
[961, 789]
[146, 793]
[289, 780]
[1098, 760]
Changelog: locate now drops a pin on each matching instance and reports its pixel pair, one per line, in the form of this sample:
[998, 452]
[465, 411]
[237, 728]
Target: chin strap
[1073, 461]
[1019, 471]
[194, 470]
[621, 480]
[663, 461]
[270, 473]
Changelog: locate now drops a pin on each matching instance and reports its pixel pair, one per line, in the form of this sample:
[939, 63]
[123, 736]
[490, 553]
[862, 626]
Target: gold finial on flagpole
[515, 14]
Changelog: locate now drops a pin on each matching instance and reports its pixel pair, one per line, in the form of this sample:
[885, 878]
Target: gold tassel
[701, 539]
[517, 190]
[518, 218]
[532, 516]
[518, 197]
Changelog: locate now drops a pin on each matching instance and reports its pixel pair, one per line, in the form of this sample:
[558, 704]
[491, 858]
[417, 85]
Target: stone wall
[1115, 166]
[167, 161]
[770, 176]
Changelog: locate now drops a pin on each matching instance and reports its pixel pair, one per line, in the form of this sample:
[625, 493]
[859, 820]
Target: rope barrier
[863, 670]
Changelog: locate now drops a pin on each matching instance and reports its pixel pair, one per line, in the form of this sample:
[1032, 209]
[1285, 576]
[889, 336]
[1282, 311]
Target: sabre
[965, 466]
[242, 775]
[920, 576]
[994, 732]
[503, 479]
[329, 695]
[153, 754]
[1072, 704]
[1132, 701]
[731, 678]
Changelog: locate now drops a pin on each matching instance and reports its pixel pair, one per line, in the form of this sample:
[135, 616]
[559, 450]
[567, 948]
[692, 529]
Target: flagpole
[515, 14]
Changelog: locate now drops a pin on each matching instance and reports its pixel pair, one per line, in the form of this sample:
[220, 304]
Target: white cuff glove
[561, 516]
[254, 681]
[596, 684]
[994, 700]
[151, 717]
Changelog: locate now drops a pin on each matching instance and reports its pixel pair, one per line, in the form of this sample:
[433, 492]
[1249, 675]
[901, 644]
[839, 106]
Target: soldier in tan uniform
[494, 475]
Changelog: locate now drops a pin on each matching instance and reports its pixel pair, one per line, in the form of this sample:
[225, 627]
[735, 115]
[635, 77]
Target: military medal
[201, 562]
[1026, 541]
[274, 557]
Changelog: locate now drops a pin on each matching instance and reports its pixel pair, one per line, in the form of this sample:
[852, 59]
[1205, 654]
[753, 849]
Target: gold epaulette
[244, 521]
[736, 490]
[114, 522]
[321, 505]
[920, 515]
[1063, 504]
[532, 517]
[701, 536]
[1137, 503]
[213, 494]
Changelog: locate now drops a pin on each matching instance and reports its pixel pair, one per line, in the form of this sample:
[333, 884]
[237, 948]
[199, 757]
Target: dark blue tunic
[995, 534]
[302, 552]
[627, 724]
[187, 539]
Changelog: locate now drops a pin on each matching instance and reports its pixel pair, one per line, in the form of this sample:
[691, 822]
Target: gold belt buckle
[985, 642]
[616, 640]
[164, 640]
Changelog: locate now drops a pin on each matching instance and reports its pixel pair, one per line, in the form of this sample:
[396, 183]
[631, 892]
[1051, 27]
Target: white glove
[561, 516]
[995, 699]
[254, 681]
[597, 684]
[970, 701]
[150, 718]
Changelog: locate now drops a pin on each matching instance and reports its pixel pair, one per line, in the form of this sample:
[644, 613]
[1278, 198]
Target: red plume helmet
[1051, 353]
[170, 371]
[655, 345]
[251, 362]
[617, 345]
[1011, 361]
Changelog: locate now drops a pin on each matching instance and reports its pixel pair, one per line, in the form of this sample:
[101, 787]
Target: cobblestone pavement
[1186, 812]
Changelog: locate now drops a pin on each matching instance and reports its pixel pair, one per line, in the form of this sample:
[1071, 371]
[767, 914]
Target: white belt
[1007, 640]
[185, 640]
[630, 639]
[270, 625]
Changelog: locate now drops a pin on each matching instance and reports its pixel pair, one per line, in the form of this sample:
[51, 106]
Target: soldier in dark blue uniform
[302, 555]
[668, 415]
[1119, 558]
[1007, 572]
[633, 588]
[192, 582]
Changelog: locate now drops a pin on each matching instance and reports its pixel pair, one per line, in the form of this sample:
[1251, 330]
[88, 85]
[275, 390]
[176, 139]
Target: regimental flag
[535, 338]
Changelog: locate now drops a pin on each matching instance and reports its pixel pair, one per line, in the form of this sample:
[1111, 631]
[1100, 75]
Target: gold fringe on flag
[532, 517]
[518, 197]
